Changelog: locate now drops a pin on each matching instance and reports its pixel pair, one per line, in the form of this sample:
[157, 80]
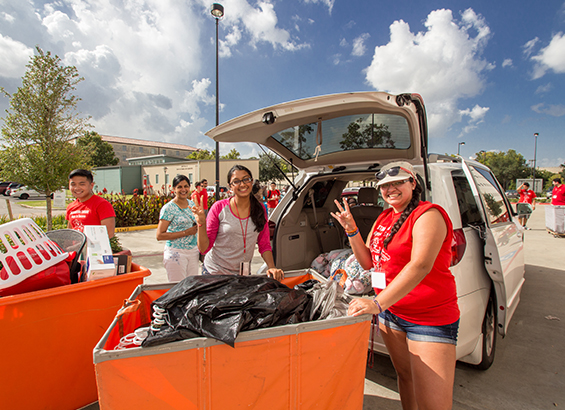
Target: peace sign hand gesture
[344, 216]
[198, 211]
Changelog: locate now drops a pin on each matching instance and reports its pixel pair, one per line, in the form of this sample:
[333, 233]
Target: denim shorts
[421, 333]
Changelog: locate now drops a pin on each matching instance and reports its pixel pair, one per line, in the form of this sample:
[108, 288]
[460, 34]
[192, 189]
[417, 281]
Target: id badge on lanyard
[245, 268]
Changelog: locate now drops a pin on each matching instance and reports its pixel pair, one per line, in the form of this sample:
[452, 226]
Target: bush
[137, 209]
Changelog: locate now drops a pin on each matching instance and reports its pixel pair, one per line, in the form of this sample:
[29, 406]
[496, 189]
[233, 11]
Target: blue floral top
[180, 219]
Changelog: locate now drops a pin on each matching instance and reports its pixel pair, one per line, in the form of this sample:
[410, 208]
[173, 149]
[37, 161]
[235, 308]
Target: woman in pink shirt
[232, 229]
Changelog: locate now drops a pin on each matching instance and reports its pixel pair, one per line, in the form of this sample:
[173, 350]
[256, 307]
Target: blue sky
[491, 72]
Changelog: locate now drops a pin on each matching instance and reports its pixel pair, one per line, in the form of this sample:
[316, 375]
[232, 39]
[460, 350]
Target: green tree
[367, 136]
[506, 166]
[202, 154]
[267, 169]
[39, 128]
[233, 154]
[101, 153]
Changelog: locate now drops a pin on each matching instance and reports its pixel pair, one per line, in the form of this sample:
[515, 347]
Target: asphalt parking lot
[529, 367]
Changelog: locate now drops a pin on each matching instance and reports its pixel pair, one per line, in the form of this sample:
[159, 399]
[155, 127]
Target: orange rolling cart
[310, 365]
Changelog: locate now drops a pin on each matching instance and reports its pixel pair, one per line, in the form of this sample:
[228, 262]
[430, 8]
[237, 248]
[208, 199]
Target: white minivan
[337, 139]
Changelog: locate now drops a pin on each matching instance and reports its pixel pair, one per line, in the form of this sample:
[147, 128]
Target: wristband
[352, 234]
[378, 304]
[353, 231]
[198, 224]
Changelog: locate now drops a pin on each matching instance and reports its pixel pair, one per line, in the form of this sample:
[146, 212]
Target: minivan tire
[489, 334]
[24, 196]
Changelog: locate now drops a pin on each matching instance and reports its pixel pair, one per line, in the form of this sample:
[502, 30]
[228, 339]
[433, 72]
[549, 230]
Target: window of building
[156, 179]
[140, 149]
[124, 148]
[153, 150]
[178, 153]
[166, 179]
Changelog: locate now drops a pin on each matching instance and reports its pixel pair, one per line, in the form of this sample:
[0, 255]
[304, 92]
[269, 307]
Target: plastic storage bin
[555, 219]
[318, 364]
[47, 340]
[25, 251]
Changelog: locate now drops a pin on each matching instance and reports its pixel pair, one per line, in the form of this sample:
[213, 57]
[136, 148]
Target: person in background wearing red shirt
[204, 195]
[195, 196]
[410, 247]
[273, 196]
[558, 193]
[88, 208]
[526, 203]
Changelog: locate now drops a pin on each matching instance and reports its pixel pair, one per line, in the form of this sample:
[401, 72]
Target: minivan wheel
[24, 196]
[489, 334]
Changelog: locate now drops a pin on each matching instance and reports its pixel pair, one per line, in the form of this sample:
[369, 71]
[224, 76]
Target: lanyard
[241, 224]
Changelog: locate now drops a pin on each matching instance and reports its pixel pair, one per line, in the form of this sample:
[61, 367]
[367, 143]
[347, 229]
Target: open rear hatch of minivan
[352, 130]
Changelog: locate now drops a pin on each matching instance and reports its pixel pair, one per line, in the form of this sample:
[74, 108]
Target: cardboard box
[99, 258]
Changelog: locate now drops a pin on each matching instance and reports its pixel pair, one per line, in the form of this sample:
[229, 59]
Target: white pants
[180, 263]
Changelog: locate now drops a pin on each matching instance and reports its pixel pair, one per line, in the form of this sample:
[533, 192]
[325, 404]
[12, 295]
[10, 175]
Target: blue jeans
[421, 333]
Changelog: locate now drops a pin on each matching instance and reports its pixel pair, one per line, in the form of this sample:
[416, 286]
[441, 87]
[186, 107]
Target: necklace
[241, 224]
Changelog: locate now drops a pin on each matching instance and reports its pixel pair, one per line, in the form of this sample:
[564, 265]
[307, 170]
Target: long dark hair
[414, 202]
[256, 208]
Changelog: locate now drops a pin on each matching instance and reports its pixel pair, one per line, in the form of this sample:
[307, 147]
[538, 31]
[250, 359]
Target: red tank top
[433, 302]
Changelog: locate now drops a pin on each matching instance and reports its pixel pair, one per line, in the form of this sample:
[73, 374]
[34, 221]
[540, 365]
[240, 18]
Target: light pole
[218, 12]
[535, 154]
[459, 147]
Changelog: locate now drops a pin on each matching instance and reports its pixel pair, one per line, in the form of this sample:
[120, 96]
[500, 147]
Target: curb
[135, 228]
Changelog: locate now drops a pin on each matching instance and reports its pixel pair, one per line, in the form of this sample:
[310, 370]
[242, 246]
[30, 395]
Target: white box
[99, 258]
[555, 218]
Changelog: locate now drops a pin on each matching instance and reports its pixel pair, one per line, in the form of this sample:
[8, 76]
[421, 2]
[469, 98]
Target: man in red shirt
[558, 193]
[204, 195]
[526, 203]
[88, 208]
[273, 196]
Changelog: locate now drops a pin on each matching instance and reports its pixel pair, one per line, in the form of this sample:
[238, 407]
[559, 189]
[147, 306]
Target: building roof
[134, 141]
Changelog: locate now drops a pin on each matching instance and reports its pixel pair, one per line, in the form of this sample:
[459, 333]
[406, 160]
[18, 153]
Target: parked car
[336, 139]
[512, 194]
[23, 192]
[11, 187]
[4, 186]
[212, 190]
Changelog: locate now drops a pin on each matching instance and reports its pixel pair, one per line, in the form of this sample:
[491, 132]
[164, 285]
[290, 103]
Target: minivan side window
[468, 208]
[492, 198]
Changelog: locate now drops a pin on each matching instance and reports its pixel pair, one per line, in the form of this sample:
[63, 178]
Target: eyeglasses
[391, 171]
[237, 182]
[394, 184]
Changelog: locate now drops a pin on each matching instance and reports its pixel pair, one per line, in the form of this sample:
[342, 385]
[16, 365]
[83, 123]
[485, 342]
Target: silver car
[336, 139]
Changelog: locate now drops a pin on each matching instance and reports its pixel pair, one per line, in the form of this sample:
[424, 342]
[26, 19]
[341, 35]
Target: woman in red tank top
[418, 314]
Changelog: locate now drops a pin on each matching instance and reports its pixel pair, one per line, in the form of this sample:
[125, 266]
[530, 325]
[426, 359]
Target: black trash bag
[220, 306]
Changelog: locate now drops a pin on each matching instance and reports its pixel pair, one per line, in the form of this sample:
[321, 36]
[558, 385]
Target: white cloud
[553, 110]
[551, 57]
[528, 48]
[443, 64]
[8, 17]
[259, 23]
[15, 56]
[328, 3]
[476, 116]
[507, 63]
[542, 89]
[359, 45]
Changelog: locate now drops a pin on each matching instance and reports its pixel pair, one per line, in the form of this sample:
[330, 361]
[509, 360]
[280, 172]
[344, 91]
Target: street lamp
[218, 12]
[535, 154]
[459, 147]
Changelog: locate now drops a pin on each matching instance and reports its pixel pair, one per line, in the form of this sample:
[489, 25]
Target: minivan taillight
[458, 246]
[272, 228]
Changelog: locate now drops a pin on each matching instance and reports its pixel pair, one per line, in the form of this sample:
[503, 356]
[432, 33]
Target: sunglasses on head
[391, 171]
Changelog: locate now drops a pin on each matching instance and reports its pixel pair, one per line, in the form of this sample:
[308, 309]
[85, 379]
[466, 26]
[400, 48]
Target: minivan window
[350, 132]
[468, 208]
[491, 196]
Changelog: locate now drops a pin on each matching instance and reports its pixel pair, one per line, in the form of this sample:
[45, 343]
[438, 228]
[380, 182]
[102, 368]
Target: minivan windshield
[351, 132]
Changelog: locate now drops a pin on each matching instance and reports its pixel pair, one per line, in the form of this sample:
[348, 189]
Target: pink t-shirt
[226, 232]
